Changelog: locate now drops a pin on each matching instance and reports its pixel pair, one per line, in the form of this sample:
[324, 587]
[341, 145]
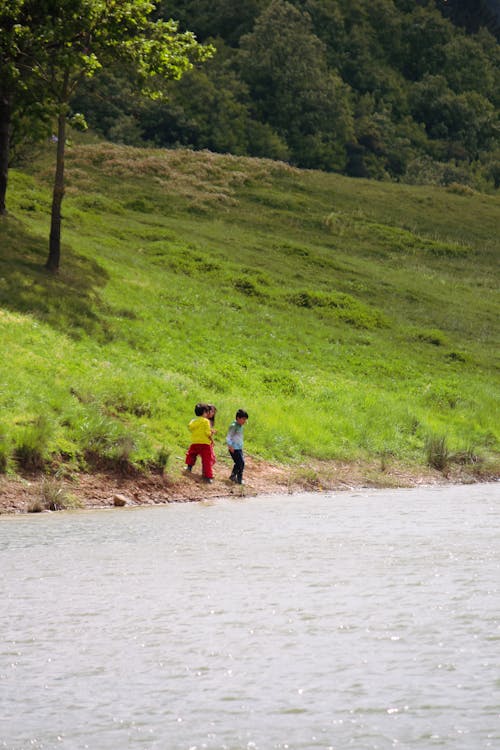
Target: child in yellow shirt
[201, 442]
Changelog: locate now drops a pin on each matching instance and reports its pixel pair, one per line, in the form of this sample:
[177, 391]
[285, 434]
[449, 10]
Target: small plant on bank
[4, 452]
[385, 457]
[307, 477]
[437, 453]
[120, 457]
[162, 459]
[106, 444]
[30, 452]
[467, 457]
[54, 496]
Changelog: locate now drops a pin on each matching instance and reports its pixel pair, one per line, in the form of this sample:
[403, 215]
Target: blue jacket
[234, 436]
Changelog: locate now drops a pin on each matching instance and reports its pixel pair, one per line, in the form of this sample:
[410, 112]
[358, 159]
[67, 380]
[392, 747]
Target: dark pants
[239, 464]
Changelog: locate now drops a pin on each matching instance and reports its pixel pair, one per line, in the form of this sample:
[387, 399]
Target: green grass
[352, 319]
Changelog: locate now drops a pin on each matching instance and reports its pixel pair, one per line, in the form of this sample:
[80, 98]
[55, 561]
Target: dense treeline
[387, 88]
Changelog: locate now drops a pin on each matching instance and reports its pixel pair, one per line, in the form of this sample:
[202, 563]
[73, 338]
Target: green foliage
[49, 49]
[431, 336]
[347, 308]
[285, 67]
[246, 287]
[386, 90]
[214, 18]
[466, 119]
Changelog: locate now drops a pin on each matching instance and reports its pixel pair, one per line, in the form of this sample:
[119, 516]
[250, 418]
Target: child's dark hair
[200, 409]
[212, 408]
[241, 413]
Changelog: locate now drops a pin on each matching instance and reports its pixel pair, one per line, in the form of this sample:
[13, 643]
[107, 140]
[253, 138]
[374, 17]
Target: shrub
[120, 457]
[306, 477]
[245, 286]
[4, 452]
[467, 457]
[53, 496]
[437, 453]
[105, 443]
[141, 205]
[281, 382]
[162, 459]
[456, 357]
[347, 308]
[307, 299]
[30, 452]
[444, 395]
[431, 336]
[459, 189]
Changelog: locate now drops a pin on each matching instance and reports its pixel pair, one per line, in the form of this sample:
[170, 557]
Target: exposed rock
[120, 500]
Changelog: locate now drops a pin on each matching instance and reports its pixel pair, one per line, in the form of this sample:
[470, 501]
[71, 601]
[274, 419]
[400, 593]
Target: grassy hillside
[352, 319]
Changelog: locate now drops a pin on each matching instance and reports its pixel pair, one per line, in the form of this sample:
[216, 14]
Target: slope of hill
[354, 320]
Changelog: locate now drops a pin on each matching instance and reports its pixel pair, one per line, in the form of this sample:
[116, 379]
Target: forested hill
[394, 89]
[494, 6]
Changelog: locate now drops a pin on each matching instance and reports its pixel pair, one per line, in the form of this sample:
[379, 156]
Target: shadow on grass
[68, 301]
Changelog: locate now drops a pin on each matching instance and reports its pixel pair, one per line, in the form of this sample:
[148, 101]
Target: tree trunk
[5, 116]
[57, 196]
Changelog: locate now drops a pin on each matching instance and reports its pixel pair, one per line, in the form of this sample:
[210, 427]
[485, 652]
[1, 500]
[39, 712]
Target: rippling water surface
[357, 620]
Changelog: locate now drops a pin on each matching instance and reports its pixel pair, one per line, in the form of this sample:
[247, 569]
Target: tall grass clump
[161, 460]
[106, 443]
[53, 495]
[31, 450]
[437, 452]
[4, 450]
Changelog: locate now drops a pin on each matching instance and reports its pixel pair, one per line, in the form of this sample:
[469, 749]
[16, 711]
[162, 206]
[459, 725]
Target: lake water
[360, 620]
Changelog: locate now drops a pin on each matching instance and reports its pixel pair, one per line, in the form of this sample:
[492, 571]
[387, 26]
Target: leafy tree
[424, 35]
[225, 19]
[112, 104]
[74, 38]
[19, 94]
[467, 67]
[208, 108]
[8, 77]
[292, 88]
[205, 110]
[330, 25]
[383, 147]
[464, 124]
[491, 50]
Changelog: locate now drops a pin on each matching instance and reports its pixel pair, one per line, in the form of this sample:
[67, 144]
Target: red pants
[205, 451]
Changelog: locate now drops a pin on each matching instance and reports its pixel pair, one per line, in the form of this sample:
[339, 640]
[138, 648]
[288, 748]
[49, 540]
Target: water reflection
[364, 620]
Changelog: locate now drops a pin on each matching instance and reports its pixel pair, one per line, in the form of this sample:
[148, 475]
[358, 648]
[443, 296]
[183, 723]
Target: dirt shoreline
[30, 494]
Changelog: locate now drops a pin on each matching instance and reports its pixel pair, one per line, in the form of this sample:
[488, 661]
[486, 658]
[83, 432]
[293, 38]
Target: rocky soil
[24, 494]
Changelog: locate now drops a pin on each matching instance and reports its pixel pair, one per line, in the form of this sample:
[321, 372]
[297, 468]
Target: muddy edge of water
[37, 493]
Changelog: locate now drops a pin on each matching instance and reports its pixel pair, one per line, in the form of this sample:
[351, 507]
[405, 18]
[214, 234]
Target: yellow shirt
[201, 431]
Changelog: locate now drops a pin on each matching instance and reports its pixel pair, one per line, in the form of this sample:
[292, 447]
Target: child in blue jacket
[234, 440]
